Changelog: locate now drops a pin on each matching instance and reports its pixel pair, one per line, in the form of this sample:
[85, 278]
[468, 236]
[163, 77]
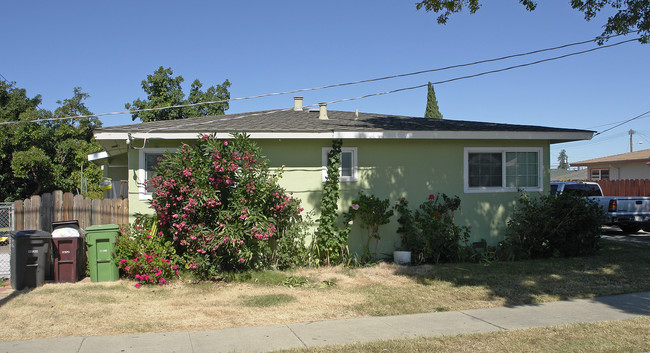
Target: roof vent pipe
[297, 104]
[323, 111]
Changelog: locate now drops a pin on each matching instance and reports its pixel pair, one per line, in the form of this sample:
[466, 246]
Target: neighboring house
[569, 174]
[385, 155]
[632, 165]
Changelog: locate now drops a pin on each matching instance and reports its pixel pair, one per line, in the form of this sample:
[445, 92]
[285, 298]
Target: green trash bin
[100, 241]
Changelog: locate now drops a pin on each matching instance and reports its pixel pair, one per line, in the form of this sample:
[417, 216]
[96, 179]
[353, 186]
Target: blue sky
[109, 47]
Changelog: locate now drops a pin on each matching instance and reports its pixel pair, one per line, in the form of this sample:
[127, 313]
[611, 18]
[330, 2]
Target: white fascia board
[97, 156]
[220, 135]
[467, 135]
[443, 135]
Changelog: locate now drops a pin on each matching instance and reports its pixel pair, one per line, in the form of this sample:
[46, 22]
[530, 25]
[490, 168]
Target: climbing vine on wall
[330, 245]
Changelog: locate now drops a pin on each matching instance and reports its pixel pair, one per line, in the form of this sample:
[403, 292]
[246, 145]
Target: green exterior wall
[388, 169]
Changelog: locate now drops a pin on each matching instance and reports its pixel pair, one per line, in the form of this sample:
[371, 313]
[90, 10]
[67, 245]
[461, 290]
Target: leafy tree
[164, 90]
[631, 15]
[564, 160]
[39, 157]
[432, 104]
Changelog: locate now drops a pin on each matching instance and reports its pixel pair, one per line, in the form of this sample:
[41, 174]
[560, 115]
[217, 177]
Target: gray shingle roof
[308, 121]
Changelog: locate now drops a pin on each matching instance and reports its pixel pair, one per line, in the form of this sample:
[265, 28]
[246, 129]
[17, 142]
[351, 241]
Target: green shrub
[430, 232]
[372, 213]
[541, 227]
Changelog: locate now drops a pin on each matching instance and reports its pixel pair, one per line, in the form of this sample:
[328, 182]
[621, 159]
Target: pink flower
[437, 214]
[241, 259]
[138, 285]
[355, 206]
[225, 143]
[431, 197]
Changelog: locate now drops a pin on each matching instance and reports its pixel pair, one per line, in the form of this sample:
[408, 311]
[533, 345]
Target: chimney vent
[323, 111]
[297, 104]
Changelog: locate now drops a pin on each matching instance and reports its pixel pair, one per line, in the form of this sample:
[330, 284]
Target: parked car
[630, 213]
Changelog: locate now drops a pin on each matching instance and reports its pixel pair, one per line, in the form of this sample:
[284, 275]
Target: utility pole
[631, 144]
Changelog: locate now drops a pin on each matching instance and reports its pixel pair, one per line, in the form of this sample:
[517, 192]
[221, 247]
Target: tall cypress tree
[432, 105]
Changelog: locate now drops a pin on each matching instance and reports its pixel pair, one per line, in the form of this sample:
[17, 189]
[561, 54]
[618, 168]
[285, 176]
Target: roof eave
[552, 136]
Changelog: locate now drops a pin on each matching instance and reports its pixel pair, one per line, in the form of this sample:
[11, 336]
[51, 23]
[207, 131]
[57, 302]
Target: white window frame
[142, 173]
[503, 151]
[600, 174]
[355, 165]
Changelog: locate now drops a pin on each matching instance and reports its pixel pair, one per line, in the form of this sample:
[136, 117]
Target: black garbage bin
[31, 258]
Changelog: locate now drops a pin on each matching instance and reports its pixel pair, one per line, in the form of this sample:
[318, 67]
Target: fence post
[35, 212]
[124, 211]
[82, 211]
[57, 197]
[47, 211]
[107, 217]
[19, 215]
[96, 207]
[68, 206]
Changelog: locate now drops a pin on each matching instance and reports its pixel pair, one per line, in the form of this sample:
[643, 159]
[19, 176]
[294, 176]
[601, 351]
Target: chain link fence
[6, 227]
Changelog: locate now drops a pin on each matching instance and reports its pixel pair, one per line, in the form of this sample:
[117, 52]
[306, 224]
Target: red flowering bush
[222, 207]
[142, 254]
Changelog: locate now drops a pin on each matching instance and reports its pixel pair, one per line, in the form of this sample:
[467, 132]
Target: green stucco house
[485, 164]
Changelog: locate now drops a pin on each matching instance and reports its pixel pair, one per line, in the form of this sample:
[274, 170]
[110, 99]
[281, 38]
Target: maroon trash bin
[68, 246]
[66, 257]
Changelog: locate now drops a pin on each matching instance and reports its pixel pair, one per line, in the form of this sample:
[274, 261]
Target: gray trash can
[31, 258]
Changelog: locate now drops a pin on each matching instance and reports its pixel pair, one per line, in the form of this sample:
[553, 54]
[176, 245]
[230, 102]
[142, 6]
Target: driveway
[613, 233]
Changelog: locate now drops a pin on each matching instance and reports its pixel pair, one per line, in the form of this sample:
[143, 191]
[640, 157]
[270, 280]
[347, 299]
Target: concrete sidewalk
[307, 334]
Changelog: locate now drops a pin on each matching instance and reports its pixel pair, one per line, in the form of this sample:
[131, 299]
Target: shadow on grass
[13, 295]
[617, 268]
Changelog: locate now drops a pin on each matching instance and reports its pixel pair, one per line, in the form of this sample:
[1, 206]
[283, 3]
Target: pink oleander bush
[143, 255]
[223, 209]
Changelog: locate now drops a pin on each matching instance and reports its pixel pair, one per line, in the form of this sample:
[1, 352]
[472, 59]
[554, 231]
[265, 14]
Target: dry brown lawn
[86, 308]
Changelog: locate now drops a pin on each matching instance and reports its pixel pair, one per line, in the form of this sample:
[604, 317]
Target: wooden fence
[625, 187]
[38, 212]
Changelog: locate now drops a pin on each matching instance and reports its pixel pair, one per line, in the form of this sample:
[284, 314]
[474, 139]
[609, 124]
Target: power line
[392, 76]
[365, 81]
[484, 73]
[624, 122]
[4, 78]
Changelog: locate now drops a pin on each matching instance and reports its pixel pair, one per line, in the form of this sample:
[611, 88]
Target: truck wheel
[630, 228]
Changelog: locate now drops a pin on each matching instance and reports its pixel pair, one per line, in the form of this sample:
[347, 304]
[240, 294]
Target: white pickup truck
[630, 213]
